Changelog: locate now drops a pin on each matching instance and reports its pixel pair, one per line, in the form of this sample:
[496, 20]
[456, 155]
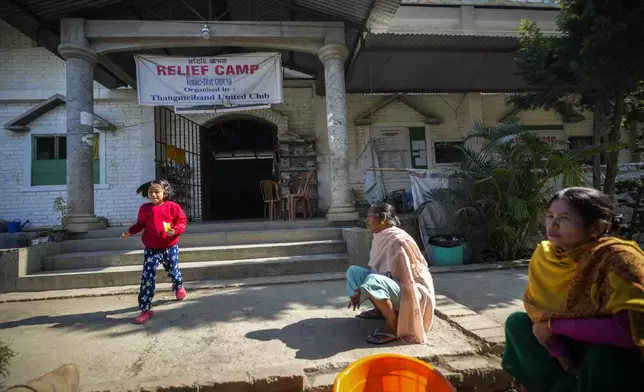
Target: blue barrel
[447, 249]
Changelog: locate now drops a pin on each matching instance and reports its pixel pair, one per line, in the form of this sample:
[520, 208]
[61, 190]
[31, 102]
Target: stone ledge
[479, 267]
[270, 379]
[210, 284]
[64, 379]
[472, 324]
[166, 287]
[481, 373]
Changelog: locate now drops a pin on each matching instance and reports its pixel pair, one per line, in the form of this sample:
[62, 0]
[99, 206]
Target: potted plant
[58, 232]
[501, 190]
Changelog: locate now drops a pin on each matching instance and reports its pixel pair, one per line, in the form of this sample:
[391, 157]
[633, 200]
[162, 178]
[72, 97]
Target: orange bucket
[391, 373]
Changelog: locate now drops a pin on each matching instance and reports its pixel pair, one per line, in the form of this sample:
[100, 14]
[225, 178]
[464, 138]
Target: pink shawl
[394, 253]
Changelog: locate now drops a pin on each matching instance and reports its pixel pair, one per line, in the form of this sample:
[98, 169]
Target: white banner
[240, 79]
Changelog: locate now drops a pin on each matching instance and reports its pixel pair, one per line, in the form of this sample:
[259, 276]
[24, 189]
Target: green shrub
[499, 192]
[5, 356]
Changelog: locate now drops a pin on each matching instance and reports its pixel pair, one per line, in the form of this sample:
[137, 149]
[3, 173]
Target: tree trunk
[613, 137]
[634, 217]
[597, 138]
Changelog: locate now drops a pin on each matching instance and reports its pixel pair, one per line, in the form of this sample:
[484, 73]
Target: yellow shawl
[395, 253]
[600, 278]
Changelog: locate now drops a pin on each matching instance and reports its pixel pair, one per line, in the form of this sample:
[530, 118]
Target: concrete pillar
[322, 152]
[80, 61]
[333, 57]
[470, 113]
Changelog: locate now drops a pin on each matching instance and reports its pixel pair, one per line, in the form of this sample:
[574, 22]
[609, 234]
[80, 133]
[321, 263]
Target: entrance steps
[225, 251]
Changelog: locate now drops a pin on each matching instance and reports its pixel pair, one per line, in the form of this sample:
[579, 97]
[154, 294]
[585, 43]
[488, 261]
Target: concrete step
[66, 261]
[214, 238]
[28, 295]
[221, 226]
[191, 271]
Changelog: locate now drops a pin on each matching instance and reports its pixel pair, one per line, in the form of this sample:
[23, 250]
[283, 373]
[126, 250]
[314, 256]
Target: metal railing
[177, 159]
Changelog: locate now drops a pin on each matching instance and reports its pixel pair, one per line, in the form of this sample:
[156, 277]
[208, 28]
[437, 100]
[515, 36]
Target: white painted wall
[458, 112]
[29, 74]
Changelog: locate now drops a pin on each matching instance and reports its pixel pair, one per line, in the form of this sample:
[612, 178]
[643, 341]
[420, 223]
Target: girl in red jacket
[162, 222]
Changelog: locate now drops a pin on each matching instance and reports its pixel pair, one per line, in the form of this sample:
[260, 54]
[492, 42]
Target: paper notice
[86, 118]
[420, 162]
[418, 145]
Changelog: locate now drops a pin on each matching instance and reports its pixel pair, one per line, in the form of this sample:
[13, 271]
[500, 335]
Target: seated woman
[584, 326]
[398, 284]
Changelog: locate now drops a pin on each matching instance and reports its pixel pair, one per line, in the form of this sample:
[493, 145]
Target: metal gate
[177, 159]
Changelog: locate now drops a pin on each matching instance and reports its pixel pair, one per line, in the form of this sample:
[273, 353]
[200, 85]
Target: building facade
[32, 162]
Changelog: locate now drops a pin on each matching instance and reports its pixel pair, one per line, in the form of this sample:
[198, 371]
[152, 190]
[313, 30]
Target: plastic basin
[391, 373]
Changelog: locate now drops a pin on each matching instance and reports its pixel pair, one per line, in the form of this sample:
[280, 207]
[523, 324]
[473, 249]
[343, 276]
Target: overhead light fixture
[205, 32]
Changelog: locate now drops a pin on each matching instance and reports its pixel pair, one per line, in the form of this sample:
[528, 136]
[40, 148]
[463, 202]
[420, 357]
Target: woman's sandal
[370, 314]
[381, 337]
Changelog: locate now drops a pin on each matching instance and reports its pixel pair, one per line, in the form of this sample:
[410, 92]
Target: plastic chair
[303, 193]
[391, 373]
[272, 196]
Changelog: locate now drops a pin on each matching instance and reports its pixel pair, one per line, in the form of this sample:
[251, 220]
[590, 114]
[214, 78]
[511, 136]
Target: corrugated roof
[430, 42]
[495, 3]
[419, 71]
[40, 19]
[382, 13]
[53, 10]
[354, 10]
[414, 63]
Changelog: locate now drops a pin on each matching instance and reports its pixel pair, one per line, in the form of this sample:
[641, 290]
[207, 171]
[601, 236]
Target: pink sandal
[144, 317]
[181, 293]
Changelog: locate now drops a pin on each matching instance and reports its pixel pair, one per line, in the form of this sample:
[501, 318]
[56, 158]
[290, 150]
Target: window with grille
[448, 152]
[49, 160]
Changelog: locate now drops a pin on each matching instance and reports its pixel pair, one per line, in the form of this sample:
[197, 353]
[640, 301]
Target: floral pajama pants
[169, 258]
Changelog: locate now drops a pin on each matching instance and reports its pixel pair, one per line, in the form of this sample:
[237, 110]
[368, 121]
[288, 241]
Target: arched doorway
[237, 153]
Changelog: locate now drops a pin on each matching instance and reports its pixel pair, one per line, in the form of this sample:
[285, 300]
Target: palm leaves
[503, 187]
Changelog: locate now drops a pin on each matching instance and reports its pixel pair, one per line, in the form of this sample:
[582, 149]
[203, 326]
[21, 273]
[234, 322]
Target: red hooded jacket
[150, 221]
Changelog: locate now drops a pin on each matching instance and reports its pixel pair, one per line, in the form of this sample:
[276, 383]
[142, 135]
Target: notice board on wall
[418, 147]
[392, 147]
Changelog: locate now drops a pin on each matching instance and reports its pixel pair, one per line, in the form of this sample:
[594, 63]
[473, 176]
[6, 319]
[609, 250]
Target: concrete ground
[493, 294]
[212, 332]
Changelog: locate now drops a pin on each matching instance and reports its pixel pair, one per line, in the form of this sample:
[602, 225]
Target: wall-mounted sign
[392, 146]
[240, 79]
[548, 133]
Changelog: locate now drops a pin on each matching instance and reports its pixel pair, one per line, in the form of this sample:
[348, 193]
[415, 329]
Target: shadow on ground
[248, 304]
[317, 338]
[497, 293]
